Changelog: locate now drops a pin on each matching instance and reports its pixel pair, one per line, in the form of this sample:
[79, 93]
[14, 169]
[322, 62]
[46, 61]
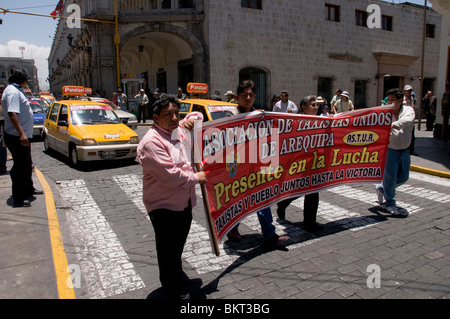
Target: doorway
[391, 82]
[258, 76]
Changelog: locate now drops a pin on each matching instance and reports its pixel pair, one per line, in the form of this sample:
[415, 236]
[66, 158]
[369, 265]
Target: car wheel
[73, 156]
[47, 147]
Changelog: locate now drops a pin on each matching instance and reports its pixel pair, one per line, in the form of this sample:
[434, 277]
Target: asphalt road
[363, 252]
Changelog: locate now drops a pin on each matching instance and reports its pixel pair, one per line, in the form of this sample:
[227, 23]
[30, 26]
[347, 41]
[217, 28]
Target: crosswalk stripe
[198, 252]
[103, 261]
[424, 193]
[131, 184]
[369, 197]
[441, 181]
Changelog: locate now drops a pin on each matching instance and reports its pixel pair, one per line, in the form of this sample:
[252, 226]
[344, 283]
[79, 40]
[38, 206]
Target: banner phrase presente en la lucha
[257, 159]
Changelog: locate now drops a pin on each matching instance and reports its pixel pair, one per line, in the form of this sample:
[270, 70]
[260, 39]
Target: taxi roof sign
[69, 90]
[197, 88]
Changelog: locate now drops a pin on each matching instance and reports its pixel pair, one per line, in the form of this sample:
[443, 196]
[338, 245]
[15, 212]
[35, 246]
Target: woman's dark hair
[306, 101]
[396, 92]
[245, 85]
[17, 76]
[163, 101]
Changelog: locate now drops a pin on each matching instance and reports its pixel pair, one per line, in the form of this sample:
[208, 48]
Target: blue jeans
[266, 220]
[396, 173]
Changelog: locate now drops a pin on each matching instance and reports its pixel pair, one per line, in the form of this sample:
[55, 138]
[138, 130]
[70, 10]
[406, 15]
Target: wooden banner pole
[214, 243]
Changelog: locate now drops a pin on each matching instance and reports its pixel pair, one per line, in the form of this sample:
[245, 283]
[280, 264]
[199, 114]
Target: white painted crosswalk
[104, 260]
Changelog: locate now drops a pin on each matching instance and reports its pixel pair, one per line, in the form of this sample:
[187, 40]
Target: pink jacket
[169, 173]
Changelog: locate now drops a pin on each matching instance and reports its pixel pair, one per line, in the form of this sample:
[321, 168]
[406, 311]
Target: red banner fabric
[257, 159]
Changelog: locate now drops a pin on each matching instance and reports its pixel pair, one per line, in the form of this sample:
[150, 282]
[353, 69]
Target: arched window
[259, 76]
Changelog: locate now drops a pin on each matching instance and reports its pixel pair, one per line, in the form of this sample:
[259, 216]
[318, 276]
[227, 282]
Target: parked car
[126, 117]
[43, 103]
[211, 109]
[38, 116]
[88, 131]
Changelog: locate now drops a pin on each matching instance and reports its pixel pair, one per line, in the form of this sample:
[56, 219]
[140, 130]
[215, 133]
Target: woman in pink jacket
[169, 189]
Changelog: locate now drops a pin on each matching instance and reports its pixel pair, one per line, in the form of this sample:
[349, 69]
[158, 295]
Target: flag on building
[58, 10]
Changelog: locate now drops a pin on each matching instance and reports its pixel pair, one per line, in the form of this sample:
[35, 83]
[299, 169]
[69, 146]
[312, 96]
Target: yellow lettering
[219, 189]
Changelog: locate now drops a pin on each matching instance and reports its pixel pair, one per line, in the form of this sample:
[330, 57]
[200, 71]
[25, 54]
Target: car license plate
[108, 155]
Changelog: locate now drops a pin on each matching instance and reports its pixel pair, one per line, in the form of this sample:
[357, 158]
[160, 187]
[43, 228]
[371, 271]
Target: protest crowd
[172, 175]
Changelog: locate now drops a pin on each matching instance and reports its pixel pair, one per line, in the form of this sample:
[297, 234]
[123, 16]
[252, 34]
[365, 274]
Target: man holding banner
[254, 160]
[308, 106]
[245, 97]
[398, 158]
[169, 189]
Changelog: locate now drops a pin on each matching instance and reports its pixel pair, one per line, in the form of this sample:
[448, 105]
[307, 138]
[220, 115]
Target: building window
[360, 94]
[259, 76]
[332, 12]
[254, 4]
[185, 4]
[361, 18]
[166, 4]
[324, 88]
[430, 30]
[386, 23]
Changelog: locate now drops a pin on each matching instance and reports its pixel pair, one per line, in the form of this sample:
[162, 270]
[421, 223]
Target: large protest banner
[254, 160]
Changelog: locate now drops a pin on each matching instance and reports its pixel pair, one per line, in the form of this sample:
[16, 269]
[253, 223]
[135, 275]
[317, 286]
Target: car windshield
[43, 103]
[93, 114]
[36, 108]
[220, 111]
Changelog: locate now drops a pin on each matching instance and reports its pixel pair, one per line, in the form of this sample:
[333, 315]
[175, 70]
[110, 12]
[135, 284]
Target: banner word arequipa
[257, 159]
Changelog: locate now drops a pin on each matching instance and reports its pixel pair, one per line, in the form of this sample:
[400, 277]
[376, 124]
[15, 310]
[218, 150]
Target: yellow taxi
[211, 109]
[88, 131]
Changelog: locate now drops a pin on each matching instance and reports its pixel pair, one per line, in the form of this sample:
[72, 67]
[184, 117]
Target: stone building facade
[28, 65]
[305, 47]
[443, 8]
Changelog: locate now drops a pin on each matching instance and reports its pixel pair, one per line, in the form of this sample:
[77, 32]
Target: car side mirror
[63, 123]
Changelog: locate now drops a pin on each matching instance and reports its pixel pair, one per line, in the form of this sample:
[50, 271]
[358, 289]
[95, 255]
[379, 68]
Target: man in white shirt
[142, 100]
[17, 134]
[285, 105]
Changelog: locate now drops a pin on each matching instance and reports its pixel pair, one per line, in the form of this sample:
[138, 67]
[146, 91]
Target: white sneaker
[394, 211]
[380, 195]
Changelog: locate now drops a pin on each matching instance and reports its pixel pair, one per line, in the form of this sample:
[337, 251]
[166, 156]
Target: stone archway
[164, 50]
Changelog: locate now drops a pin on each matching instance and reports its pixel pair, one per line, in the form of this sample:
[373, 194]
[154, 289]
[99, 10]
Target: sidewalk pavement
[26, 265]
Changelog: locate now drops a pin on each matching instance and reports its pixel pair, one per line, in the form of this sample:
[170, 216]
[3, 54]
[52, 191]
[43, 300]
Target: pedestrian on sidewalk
[308, 106]
[169, 189]
[410, 100]
[429, 109]
[245, 98]
[285, 105]
[398, 160]
[445, 111]
[18, 130]
[142, 100]
[344, 104]
[122, 100]
[3, 151]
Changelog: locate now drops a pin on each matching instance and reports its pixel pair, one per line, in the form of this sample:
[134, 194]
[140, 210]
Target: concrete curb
[429, 171]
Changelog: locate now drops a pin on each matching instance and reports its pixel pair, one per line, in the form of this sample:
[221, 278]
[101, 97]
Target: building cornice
[441, 6]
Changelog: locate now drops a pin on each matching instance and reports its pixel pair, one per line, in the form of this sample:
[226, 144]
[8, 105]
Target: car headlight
[88, 142]
[134, 140]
